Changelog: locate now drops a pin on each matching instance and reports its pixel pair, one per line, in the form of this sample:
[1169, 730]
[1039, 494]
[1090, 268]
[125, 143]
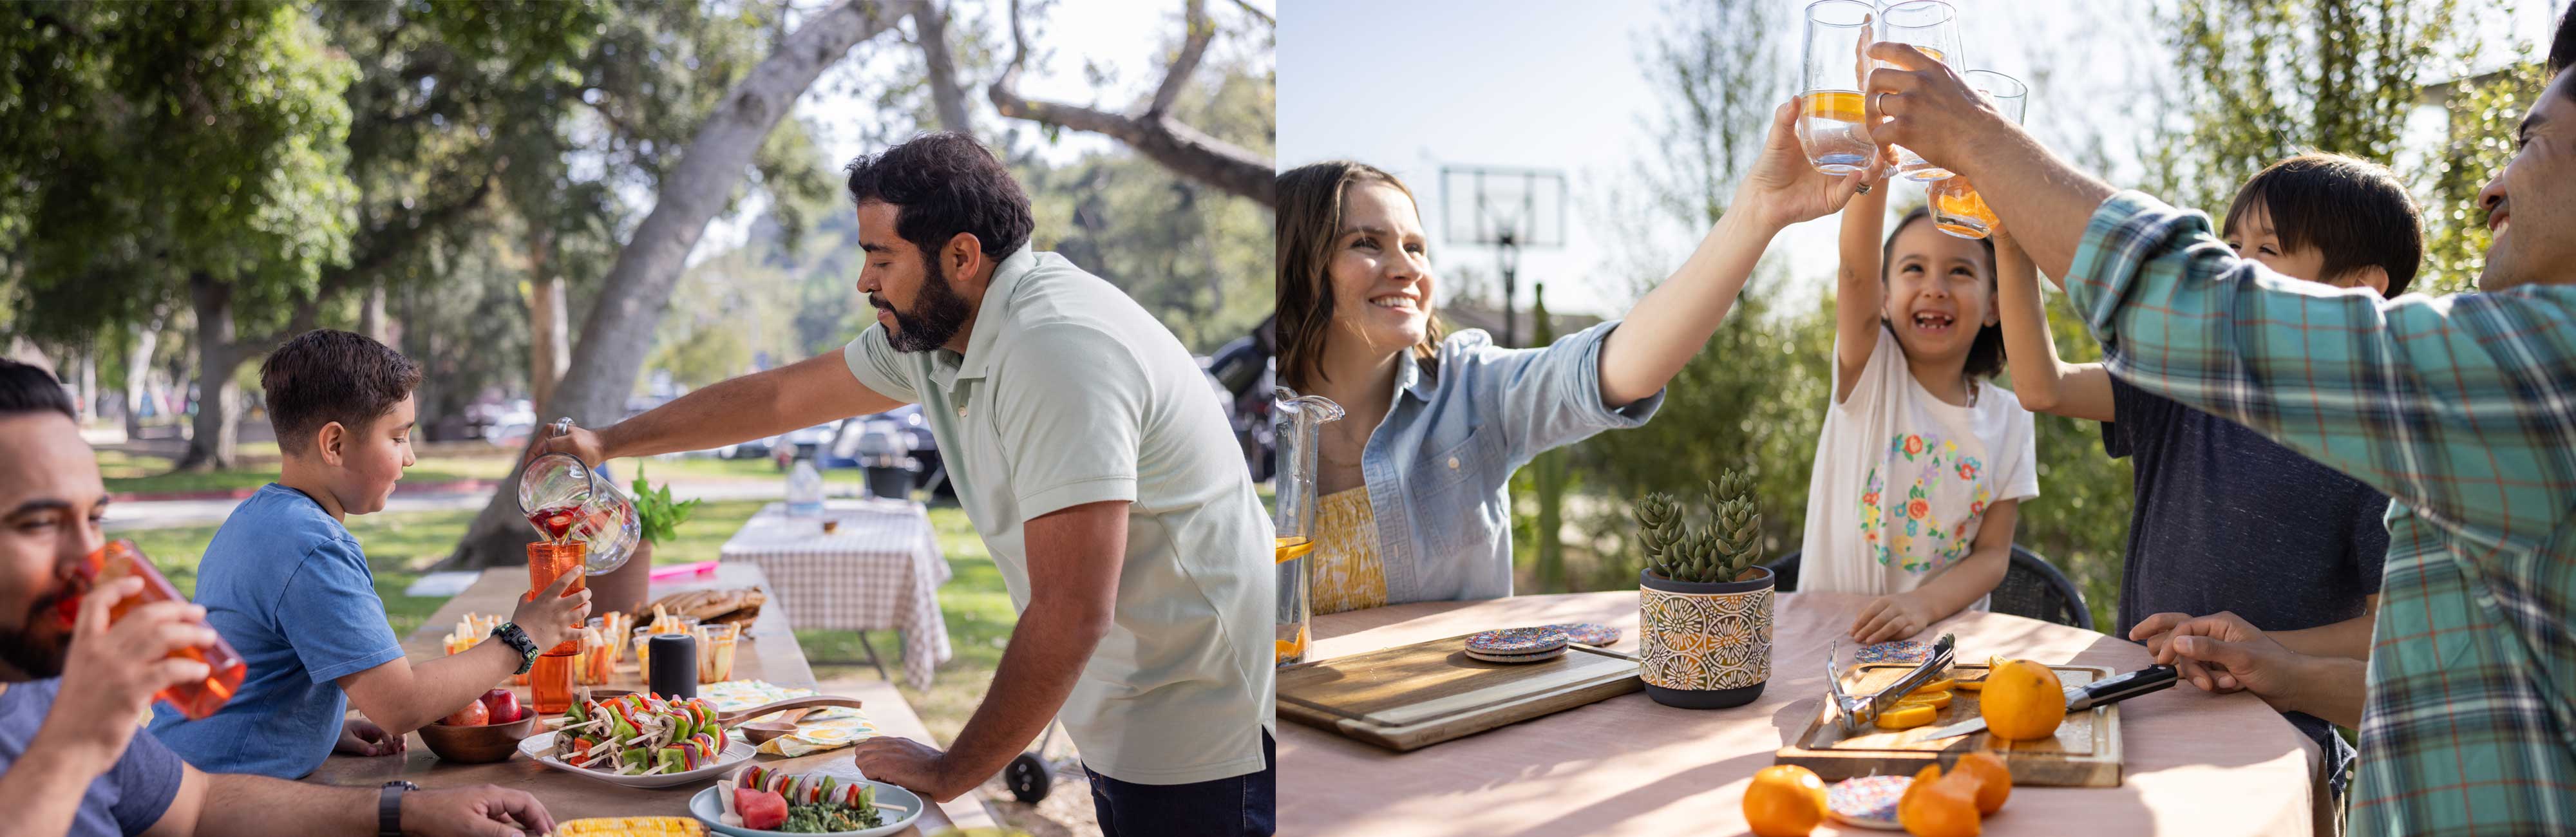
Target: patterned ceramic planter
[1706, 645]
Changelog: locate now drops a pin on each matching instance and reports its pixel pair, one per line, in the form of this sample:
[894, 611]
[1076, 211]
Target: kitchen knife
[2087, 696]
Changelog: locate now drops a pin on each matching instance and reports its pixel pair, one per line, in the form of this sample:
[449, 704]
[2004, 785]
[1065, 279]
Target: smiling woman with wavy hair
[1414, 506]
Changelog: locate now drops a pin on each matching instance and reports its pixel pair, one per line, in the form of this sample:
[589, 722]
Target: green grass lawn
[149, 474]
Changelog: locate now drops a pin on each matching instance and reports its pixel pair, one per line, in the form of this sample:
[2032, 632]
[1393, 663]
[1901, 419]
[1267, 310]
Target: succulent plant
[1724, 546]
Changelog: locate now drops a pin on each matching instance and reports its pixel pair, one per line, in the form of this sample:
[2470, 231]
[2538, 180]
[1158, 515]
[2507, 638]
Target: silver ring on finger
[1881, 102]
[1863, 190]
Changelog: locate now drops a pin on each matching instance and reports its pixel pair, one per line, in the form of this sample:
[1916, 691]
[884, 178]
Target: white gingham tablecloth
[881, 568]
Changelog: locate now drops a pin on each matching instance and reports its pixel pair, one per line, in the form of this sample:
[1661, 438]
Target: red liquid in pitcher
[224, 666]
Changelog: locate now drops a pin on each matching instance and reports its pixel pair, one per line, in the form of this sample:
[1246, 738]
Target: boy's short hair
[30, 389]
[327, 375]
[2354, 211]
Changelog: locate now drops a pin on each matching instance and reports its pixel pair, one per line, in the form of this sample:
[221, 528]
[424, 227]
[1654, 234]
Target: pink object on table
[677, 570]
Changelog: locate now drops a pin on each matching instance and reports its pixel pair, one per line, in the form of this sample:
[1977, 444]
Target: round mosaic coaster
[1588, 633]
[1867, 801]
[1517, 641]
[1900, 651]
[1533, 657]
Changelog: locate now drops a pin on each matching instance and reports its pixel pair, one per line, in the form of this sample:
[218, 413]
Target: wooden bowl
[478, 745]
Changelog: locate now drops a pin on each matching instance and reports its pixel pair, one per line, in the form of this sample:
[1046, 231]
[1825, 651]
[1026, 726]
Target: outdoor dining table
[768, 652]
[878, 568]
[2198, 764]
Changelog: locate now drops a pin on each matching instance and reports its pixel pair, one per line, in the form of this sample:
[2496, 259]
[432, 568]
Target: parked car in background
[802, 443]
[1242, 372]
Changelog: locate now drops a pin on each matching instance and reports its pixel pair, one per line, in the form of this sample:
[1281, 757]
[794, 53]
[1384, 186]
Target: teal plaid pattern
[2463, 410]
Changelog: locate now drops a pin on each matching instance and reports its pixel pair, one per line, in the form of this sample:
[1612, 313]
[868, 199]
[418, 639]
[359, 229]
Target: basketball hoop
[1507, 209]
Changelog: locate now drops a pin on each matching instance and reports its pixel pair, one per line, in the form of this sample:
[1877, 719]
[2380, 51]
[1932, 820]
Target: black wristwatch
[509, 634]
[389, 808]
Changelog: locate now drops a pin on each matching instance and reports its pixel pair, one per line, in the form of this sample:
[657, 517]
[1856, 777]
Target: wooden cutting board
[2085, 753]
[1417, 695]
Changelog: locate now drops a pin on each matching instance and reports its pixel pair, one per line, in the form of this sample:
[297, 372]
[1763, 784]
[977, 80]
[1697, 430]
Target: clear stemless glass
[1829, 83]
[1933, 27]
[1957, 209]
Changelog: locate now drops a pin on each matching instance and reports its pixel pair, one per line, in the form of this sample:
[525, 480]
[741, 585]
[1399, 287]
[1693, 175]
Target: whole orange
[2022, 701]
[1784, 801]
[1940, 807]
[1994, 779]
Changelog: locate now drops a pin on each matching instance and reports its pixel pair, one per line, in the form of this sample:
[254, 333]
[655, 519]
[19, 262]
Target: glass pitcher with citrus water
[1300, 420]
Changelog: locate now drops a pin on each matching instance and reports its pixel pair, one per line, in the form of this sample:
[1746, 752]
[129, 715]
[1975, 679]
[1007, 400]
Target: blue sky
[1413, 86]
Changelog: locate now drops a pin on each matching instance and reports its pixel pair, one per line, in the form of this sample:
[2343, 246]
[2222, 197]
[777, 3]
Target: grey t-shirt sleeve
[147, 779]
[873, 360]
[2138, 415]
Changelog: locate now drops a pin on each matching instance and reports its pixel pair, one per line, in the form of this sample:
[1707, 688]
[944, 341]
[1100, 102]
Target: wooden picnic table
[768, 652]
[2198, 764]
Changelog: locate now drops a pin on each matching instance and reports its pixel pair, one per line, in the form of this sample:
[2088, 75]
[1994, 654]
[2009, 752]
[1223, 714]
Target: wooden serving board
[1413, 696]
[2085, 753]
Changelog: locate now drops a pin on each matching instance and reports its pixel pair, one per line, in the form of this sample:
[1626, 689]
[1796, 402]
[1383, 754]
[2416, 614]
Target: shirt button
[1453, 463]
[961, 411]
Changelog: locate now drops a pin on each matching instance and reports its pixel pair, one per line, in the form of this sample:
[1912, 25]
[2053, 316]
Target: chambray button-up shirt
[1437, 466]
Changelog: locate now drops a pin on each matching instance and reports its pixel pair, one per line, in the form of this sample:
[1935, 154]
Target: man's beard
[936, 315]
[37, 646]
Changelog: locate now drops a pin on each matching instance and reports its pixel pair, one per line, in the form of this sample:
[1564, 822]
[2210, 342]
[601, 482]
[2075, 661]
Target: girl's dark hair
[1986, 355]
[2354, 211]
[1308, 220]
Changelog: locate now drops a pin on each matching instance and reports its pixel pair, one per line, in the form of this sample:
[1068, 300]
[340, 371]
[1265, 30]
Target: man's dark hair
[2562, 50]
[2354, 211]
[31, 389]
[327, 375]
[1986, 353]
[942, 184]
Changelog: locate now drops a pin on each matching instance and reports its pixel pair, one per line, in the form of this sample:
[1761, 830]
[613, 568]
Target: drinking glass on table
[1829, 84]
[715, 651]
[1933, 27]
[550, 561]
[1957, 209]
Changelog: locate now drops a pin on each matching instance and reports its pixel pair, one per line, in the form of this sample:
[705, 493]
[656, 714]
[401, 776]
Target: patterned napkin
[822, 729]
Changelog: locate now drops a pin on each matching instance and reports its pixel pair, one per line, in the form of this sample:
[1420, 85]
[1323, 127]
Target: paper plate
[736, 752]
[900, 808]
[1867, 801]
[1517, 641]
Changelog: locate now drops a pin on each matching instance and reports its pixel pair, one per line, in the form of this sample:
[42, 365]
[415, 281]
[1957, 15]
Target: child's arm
[2349, 638]
[1901, 615]
[401, 697]
[2043, 382]
[1857, 292]
[1666, 328]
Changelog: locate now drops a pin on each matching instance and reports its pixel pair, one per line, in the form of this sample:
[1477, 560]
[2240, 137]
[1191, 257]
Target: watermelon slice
[760, 809]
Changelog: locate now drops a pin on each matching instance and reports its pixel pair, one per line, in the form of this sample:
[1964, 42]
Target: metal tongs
[1854, 714]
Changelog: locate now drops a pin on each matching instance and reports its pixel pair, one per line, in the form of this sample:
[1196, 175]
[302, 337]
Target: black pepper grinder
[675, 666]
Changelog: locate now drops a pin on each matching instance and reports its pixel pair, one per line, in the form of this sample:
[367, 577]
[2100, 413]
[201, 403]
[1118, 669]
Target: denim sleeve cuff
[1586, 384]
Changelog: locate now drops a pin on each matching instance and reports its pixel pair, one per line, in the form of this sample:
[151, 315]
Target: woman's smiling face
[1380, 270]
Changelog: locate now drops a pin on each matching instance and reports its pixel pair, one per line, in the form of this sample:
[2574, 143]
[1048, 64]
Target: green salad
[827, 817]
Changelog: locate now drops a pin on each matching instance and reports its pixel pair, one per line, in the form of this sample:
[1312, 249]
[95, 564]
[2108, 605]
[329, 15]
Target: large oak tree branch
[930, 24]
[1187, 151]
[1193, 47]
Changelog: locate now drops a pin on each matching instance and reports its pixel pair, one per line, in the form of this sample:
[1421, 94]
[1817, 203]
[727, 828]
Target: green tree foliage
[2483, 111]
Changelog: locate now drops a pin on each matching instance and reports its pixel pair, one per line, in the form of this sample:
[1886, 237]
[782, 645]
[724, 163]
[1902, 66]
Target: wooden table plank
[769, 652]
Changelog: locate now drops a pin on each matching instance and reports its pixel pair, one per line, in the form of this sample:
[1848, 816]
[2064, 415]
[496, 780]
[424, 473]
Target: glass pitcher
[566, 500]
[1301, 421]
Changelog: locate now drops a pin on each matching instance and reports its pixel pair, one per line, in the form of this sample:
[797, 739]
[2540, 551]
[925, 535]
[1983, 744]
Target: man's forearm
[2043, 200]
[2331, 688]
[2349, 638]
[1047, 651]
[258, 805]
[801, 394]
[43, 789]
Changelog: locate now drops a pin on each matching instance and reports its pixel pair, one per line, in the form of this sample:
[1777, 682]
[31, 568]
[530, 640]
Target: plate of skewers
[639, 741]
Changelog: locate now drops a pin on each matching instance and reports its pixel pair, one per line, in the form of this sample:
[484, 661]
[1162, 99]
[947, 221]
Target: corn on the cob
[631, 827]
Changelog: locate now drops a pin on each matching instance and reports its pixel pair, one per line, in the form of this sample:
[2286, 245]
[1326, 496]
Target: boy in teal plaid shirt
[2462, 408]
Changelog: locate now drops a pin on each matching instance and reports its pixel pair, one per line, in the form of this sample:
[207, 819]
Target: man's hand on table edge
[478, 811]
[912, 765]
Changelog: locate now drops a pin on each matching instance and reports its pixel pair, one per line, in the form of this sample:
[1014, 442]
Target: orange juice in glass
[548, 561]
[550, 683]
[224, 666]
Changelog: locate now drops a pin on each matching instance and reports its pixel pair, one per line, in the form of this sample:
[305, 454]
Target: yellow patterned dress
[1348, 572]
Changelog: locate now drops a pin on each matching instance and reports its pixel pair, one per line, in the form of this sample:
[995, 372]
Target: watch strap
[389, 808]
[510, 634]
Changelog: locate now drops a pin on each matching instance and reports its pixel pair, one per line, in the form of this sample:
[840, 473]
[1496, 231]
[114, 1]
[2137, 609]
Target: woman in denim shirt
[1414, 506]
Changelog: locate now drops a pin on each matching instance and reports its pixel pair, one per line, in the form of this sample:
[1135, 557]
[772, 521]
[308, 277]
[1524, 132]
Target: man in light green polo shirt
[1095, 461]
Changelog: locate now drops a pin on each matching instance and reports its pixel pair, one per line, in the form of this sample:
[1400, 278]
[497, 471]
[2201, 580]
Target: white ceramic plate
[899, 807]
[736, 752]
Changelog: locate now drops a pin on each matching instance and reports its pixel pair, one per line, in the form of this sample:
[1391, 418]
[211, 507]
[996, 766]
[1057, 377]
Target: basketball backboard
[1492, 205]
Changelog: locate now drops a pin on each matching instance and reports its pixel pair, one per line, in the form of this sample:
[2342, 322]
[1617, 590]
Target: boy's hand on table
[361, 737]
[113, 671]
[551, 617]
[2158, 632]
[1891, 617]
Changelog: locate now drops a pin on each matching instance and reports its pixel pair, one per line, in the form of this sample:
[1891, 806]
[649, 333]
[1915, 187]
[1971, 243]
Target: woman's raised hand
[1785, 189]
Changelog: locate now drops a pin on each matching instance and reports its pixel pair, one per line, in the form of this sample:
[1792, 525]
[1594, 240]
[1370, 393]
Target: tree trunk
[371, 314]
[549, 331]
[138, 373]
[214, 443]
[619, 331]
[930, 25]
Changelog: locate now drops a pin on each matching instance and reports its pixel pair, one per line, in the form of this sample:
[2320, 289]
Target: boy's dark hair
[30, 389]
[2354, 211]
[1986, 355]
[327, 375]
[2562, 50]
[943, 184]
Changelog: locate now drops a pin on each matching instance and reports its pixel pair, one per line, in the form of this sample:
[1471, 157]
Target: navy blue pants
[1239, 806]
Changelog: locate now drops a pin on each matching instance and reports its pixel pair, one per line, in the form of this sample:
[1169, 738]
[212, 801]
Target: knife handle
[2124, 687]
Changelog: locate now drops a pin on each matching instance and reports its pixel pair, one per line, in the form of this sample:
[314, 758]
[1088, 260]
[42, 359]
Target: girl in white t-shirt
[1923, 461]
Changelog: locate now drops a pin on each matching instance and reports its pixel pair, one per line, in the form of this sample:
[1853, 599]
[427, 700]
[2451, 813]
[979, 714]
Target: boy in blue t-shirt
[288, 586]
[2225, 519]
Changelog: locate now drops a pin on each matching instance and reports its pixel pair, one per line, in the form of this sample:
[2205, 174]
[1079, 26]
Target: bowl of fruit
[487, 730]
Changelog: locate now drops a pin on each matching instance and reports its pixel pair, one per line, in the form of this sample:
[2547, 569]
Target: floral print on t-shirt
[1909, 530]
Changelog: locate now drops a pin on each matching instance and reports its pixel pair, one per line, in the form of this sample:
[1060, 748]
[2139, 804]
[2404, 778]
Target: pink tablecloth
[2199, 765]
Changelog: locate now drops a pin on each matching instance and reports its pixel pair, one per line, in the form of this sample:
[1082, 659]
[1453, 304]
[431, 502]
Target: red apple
[473, 715]
[502, 704]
